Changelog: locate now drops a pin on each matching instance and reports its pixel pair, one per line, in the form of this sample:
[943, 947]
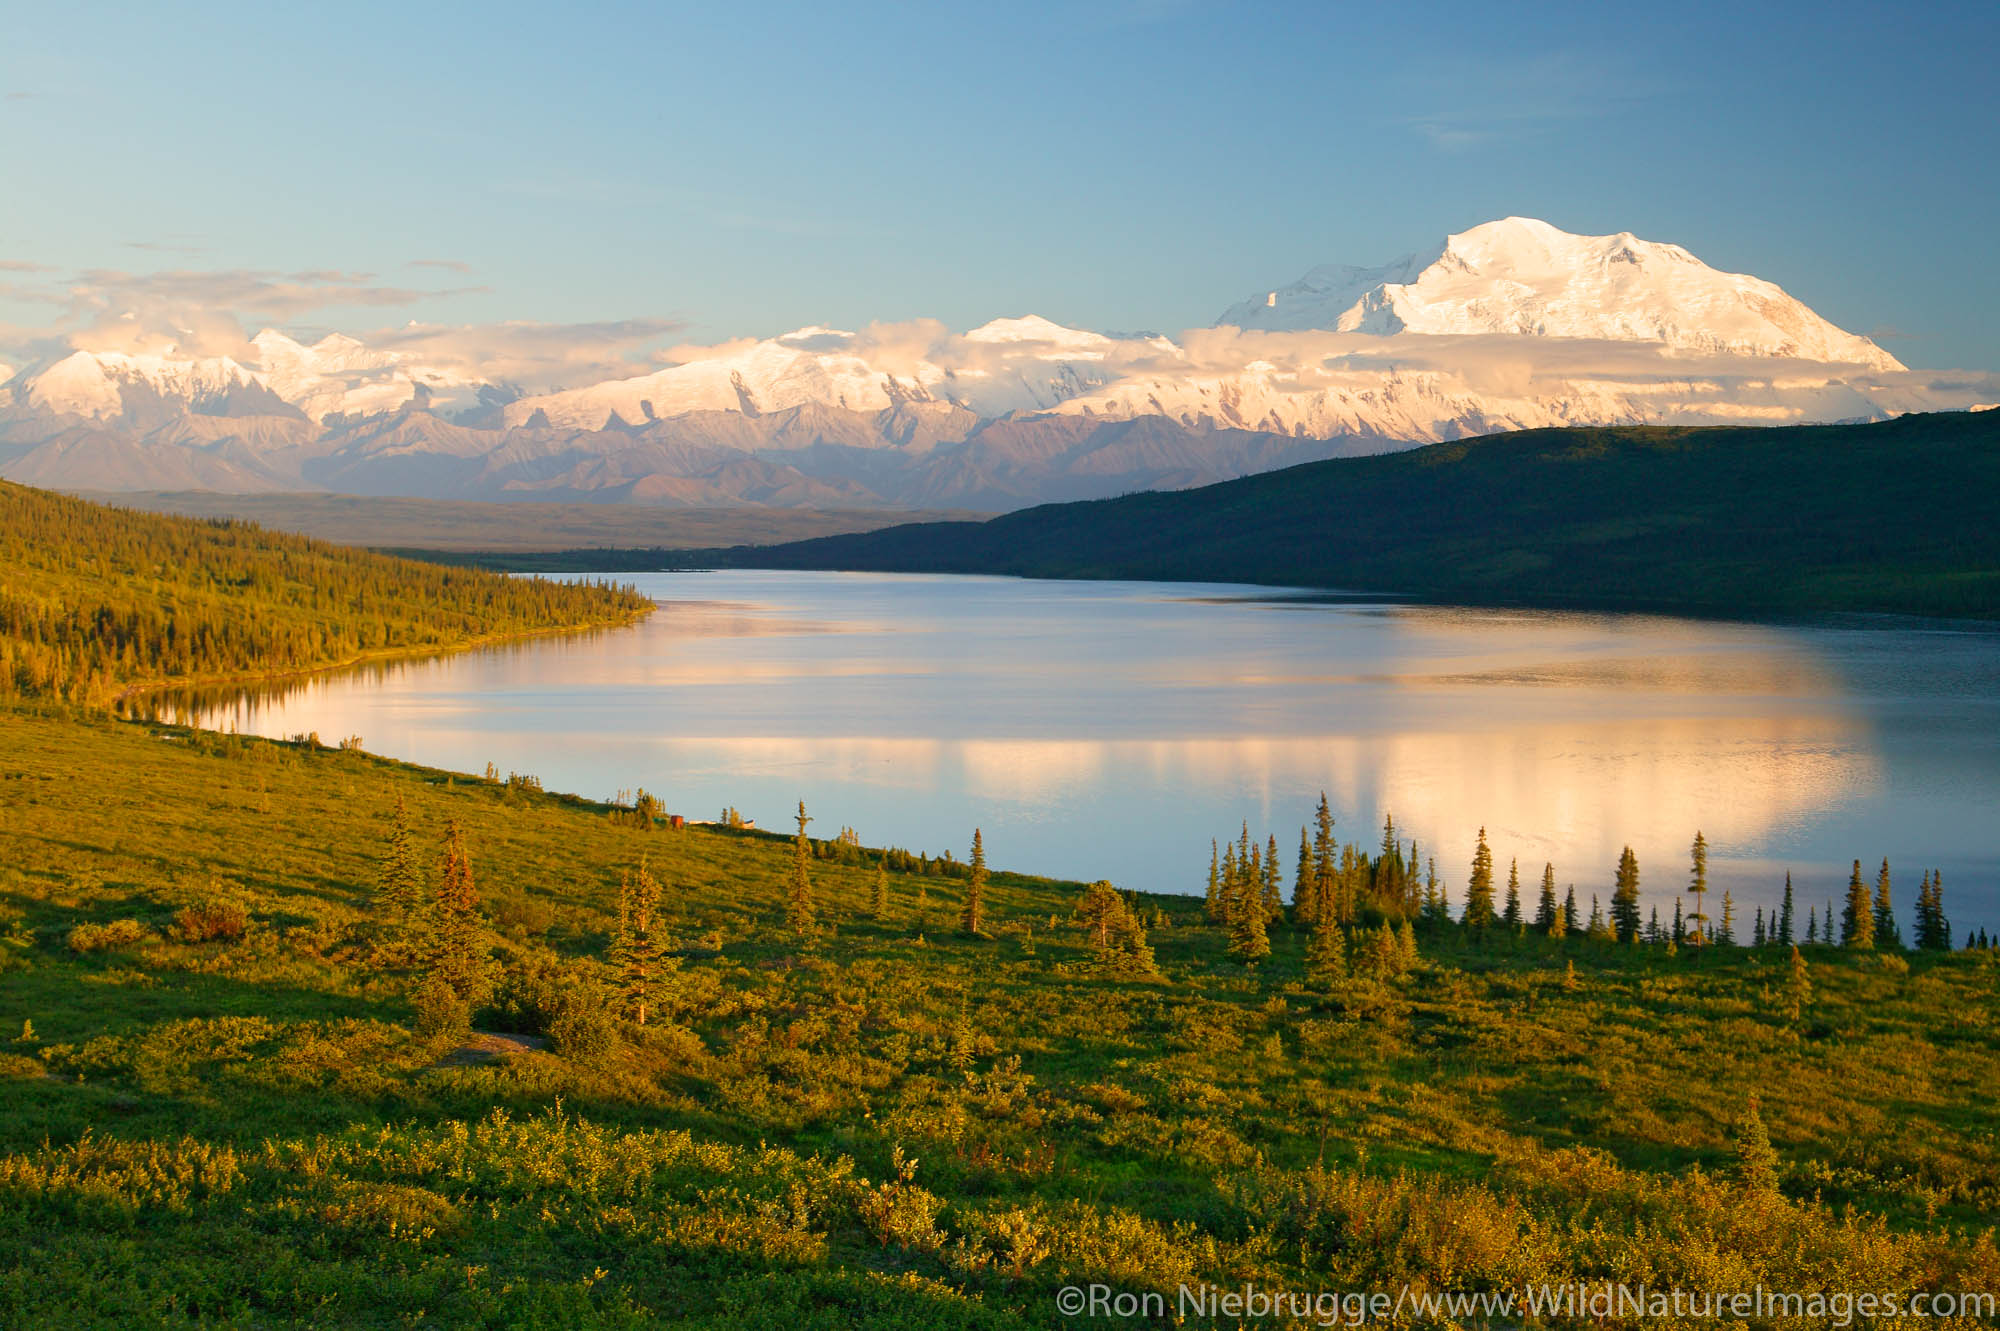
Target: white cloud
[535, 357]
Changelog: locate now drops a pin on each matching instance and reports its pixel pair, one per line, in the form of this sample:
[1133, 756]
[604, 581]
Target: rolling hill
[95, 601]
[1900, 516]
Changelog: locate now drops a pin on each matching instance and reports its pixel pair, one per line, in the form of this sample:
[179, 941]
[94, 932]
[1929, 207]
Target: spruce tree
[1785, 919]
[638, 948]
[1437, 901]
[1697, 919]
[1479, 889]
[1133, 955]
[1933, 929]
[1757, 935]
[1857, 921]
[1326, 956]
[1382, 953]
[1653, 926]
[399, 891]
[1102, 913]
[458, 971]
[1248, 878]
[1798, 989]
[1324, 850]
[1411, 897]
[799, 913]
[1545, 909]
[1249, 941]
[1226, 894]
[1756, 1160]
[1725, 934]
[1569, 916]
[972, 919]
[1305, 888]
[1812, 924]
[1886, 932]
[1600, 928]
[1347, 880]
[1625, 897]
[1511, 917]
[1274, 892]
[1679, 934]
[1212, 906]
[878, 898]
[1389, 864]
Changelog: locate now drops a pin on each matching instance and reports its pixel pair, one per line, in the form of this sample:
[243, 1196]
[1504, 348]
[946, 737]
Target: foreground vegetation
[1900, 516]
[96, 601]
[888, 1088]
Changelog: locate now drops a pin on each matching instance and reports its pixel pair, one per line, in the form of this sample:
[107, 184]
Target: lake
[1110, 729]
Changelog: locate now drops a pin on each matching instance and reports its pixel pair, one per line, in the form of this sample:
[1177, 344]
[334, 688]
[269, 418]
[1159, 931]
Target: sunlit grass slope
[896, 1125]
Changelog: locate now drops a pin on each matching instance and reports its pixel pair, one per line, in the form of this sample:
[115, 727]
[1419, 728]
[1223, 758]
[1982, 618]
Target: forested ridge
[96, 599]
[1897, 516]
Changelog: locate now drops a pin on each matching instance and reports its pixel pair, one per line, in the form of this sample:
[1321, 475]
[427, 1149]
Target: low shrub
[901, 1214]
[565, 1003]
[522, 916]
[211, 921]
[580, 1026]
[107, 937]
[439, 1009]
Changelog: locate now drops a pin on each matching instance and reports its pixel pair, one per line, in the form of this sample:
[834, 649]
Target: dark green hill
[94, 600]
[1902, 516]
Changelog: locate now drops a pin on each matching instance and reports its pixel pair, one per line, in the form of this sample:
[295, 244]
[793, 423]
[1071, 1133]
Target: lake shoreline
[1062, 716]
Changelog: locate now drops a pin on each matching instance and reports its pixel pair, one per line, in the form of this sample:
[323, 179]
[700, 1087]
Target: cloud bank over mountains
[150, 382]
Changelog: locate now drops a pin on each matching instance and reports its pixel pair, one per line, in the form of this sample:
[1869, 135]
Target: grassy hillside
[95, 600]
[218, 1110]
[1898, 516]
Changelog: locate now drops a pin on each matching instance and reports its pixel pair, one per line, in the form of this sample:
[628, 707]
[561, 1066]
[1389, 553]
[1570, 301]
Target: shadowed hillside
[1897, 516]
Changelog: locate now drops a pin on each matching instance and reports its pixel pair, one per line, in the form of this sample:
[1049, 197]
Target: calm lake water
[1110, 729]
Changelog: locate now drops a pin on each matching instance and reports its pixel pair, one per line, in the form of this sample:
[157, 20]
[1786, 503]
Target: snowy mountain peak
[1522, 276]
[1034, 329]
[100, 385]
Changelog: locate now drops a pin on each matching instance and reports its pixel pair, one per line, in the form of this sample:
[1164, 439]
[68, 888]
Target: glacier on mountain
[1522, 276]
[1509, 325]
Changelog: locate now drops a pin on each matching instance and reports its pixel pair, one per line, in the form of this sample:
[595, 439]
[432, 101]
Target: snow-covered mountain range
[1512, 324]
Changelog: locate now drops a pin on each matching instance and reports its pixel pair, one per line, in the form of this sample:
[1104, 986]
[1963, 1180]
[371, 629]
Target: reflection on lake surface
[1110, 729]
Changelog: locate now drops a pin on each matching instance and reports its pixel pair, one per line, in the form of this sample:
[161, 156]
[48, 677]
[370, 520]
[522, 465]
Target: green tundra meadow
[295, 1035]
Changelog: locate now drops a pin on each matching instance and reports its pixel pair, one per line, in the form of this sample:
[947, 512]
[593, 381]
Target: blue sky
[1119, 165]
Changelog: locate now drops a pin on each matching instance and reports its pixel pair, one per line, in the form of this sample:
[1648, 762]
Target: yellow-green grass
[248, 1133]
